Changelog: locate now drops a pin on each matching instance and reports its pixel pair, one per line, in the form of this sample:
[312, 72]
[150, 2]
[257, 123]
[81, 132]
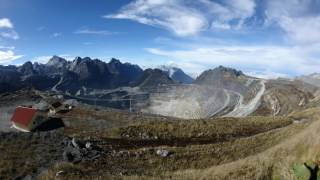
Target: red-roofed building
[27, 119]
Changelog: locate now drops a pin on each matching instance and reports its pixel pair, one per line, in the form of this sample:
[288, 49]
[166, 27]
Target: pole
[130, 104]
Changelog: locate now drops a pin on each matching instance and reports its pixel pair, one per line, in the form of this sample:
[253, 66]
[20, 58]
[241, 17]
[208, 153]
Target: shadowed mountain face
[152, 78]
[69, 76]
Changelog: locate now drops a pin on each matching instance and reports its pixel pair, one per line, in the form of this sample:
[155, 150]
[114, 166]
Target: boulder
[163, 153]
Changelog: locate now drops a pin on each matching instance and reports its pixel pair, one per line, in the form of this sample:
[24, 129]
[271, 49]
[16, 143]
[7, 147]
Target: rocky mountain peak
[231, 71]
[153, 78]
[114, 61]
[220, 77]
[26, 68]
[176, 74]
[57, 62]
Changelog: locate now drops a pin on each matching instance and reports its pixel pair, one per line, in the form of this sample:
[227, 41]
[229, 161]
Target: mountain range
[165, 90]
[58, 74]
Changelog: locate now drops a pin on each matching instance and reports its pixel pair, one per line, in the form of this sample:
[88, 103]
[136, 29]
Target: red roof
[23, 115]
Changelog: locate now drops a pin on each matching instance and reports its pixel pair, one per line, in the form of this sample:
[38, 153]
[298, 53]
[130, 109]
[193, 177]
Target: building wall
[39, 118]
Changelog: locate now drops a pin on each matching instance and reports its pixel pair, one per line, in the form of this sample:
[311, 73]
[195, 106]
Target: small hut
[27, 119]
[55, 107]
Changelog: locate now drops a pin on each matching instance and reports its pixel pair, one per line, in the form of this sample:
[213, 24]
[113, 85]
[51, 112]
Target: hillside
[253, 147]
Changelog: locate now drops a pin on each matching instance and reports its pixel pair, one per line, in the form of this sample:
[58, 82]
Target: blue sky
[266, 38]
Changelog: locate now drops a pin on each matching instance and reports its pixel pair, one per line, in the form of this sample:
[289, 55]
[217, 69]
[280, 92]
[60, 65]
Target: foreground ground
[141, 146]
[253, 147]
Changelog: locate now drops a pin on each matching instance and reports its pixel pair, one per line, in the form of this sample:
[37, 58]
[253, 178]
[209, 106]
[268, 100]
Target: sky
[264, 38]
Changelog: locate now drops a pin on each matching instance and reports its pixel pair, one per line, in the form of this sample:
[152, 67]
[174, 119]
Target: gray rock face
[69, 76]
[177, 74]
[57, 62]
[152, 78]
[215, 92]
[313, 79]
[222, 77]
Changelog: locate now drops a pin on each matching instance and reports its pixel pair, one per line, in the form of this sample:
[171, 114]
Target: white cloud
[187, 17]
[41, 59]
[263, 60]
[56, 34]
[300, 19]
[45, 59]
[41, 28]
[10, 34]
[266, 74]
[94, 32]
[6, 29]
[7, 56]
[5, 23]
[7, 47]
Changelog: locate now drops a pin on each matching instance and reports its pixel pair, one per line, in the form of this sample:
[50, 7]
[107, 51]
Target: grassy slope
[283, 161]
[253, 148]
[247, 157]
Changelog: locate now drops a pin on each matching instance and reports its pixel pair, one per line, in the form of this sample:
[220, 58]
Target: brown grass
[191, 157]
[275, 163]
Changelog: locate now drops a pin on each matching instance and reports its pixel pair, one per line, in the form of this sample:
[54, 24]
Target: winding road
[241, 109]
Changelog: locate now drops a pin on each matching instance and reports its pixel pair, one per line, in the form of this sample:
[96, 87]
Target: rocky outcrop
[80, 151]
[177, 74]
[152, 78]
[69, 76]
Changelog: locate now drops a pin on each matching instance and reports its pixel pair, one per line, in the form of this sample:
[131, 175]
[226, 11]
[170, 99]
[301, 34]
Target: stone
[74, 143]
[163, 153]
[88, 145]
[59, 173]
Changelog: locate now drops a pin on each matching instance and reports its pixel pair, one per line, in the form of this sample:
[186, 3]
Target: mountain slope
[215, 92]
[69, 76]
[177, 74]
[313, 79]
[152, 78]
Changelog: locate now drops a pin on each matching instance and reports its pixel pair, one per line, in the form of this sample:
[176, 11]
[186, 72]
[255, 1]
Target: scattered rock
[28, 177]
[163, 153]
[88, 145]
[77, 151]
[74, 143]
[60, 173]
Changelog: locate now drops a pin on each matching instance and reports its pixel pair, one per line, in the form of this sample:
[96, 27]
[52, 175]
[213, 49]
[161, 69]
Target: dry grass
[191, 158]
[278, 162]
[247, 148]
[218, 129]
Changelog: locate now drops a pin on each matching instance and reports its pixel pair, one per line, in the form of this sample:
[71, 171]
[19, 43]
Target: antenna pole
[130, 104]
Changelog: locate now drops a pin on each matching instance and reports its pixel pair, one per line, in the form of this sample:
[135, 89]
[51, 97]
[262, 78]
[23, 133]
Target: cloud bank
[7, 54]
[6, 29]
[187, 17]
[294, 23]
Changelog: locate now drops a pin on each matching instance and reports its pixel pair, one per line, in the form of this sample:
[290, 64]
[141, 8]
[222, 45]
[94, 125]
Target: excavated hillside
[229, 93]
[217, 92]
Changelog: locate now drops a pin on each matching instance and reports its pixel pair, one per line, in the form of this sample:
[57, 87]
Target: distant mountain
[154, 77]
[177, 74]
[57, 62]
[313, 79]
[223, 77]
[69, 76]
